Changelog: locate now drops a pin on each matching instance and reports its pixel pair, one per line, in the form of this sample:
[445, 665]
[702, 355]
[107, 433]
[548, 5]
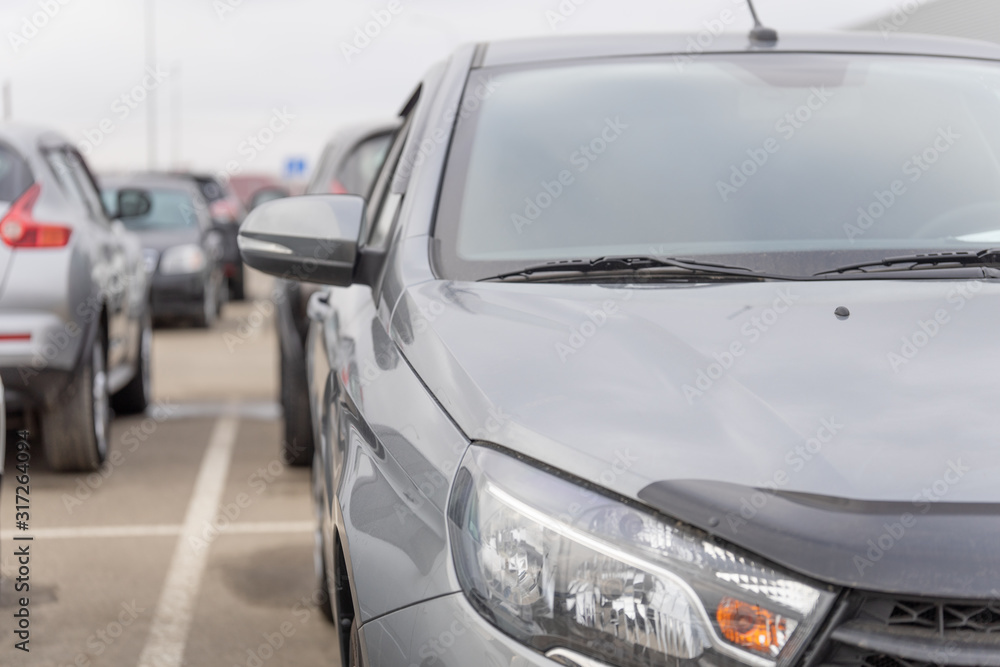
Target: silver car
[75, 330]
[640, 357]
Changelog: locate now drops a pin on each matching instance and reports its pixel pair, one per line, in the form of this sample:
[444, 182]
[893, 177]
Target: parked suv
[644, 357]
[75, 332]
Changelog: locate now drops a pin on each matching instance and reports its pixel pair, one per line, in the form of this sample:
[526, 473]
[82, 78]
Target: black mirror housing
[311, 238]
[132, 203]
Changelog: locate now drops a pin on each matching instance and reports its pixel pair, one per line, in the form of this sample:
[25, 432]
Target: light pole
[175, 113]
[151, 100]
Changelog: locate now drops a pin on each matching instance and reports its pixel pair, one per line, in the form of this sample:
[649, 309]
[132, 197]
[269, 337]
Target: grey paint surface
[606, 385]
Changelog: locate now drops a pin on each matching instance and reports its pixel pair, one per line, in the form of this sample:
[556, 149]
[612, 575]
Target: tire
[209, 306]
[297, 445]
[75, 431]
[236, 284]
[135, 396]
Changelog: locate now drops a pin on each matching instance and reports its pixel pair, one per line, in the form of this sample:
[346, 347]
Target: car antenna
[761, 33]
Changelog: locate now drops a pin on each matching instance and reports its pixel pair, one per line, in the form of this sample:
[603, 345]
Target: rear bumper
[36, 369]
[175, 296]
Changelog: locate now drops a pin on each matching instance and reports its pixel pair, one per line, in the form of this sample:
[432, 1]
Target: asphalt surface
[194, 545]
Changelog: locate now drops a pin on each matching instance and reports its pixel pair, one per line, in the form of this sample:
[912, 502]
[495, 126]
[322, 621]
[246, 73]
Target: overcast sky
[231, 64]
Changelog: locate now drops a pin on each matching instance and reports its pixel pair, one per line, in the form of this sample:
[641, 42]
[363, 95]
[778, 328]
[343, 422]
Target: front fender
[392, 455]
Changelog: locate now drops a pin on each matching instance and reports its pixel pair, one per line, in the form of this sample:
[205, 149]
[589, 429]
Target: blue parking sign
[295, 167]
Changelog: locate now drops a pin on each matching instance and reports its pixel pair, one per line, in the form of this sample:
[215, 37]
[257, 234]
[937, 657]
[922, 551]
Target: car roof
[27, 138]
[542, 49]
[349, 135]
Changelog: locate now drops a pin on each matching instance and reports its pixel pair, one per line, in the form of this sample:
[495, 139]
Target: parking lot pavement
[193, 546]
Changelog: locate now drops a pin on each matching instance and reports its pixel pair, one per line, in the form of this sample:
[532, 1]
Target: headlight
[569, 571]
[182, 259]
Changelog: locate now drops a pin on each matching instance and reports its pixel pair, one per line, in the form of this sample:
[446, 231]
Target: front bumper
[178, 295]
[445, 632]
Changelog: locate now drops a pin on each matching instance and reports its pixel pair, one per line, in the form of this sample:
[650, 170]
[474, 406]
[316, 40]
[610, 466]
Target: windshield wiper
[935, 260]
[625, 266]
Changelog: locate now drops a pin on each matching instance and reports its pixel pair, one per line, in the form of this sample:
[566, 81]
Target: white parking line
[169, 631]
[165, 530]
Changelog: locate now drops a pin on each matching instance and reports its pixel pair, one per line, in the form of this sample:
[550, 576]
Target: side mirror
[132, 203]
[264, 195]
[312, 238]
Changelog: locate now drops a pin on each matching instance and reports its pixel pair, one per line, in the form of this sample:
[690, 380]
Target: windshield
[787, 163]
[169, 209]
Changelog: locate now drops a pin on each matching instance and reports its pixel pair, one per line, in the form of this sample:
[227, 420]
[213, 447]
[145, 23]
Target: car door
[117, 264]
[332, 358]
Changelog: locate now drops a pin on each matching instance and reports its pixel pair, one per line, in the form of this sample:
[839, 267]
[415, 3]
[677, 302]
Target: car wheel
[134, 397]
[236, 284]
[209, 306]
[297, 445]
[75, 432]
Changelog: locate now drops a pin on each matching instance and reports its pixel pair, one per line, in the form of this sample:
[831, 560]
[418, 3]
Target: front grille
[845, 656]
[880, 631]
[942, 617]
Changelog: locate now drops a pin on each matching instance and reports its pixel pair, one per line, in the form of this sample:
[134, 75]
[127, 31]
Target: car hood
[862, 450]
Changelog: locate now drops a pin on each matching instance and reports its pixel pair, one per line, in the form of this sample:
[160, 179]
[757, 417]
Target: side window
[87, 185]
[359, 169]
[383, 204]
[56, 158]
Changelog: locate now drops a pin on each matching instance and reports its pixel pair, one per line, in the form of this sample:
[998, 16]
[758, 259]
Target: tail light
[337, 188]
[19, 229]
